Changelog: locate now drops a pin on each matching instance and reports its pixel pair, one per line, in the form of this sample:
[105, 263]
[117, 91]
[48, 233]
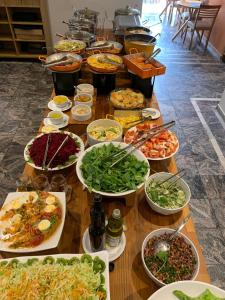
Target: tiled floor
[24, 92]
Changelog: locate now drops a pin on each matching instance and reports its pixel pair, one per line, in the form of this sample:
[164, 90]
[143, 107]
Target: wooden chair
[204, 21]
[171, 4]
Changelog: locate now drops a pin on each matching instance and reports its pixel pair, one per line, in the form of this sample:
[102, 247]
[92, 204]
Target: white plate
[191, 288]
[158, 158]
[114, 252]
[103, 255]
[51, 242]
[74, 136]
[52, 106]
[139, 155]
[153, 112]
[65, 122]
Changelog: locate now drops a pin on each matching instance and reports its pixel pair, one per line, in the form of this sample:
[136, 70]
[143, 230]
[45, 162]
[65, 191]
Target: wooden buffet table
[128, 280]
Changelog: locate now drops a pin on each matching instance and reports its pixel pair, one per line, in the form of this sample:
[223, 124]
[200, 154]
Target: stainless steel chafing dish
[85, 36]
[124, 18]
[88, 14]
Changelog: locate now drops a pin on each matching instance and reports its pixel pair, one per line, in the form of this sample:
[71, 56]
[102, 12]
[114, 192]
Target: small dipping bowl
[85, 88]
[56, 117]
[81, 112]
[60, 101]
[83, 98]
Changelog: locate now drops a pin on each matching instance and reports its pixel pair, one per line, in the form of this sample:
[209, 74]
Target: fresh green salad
[166, 195]
[206, 295]
[124, 176]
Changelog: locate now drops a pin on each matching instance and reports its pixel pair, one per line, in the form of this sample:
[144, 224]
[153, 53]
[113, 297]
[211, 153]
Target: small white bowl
[85, 88]
[161, 176]
[103, 123]
[81, 112]
[55, 121]
[62, 105]
[159, 232]
[78, 102]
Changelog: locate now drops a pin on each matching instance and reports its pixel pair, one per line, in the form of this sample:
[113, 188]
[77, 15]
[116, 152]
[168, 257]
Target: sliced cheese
[44, 225]
[49, 208]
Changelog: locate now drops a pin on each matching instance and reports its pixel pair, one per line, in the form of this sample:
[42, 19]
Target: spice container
[114, 229]
[97, 226]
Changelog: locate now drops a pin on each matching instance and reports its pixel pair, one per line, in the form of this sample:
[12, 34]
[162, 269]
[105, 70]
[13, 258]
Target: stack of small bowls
[82, 109]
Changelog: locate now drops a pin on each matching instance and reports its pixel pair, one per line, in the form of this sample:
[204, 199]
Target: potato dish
[70, 45]
[104, 134]
[126, 99]
[104, 63]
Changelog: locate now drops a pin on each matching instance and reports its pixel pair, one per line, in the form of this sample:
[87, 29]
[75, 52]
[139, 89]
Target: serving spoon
[164, 246]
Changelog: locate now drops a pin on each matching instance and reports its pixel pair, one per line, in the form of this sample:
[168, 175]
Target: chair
[171, 4]
[204, 21]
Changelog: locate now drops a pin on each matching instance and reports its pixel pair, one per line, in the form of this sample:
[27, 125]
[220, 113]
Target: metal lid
[116, 214]
[127, 11]
[88, 12]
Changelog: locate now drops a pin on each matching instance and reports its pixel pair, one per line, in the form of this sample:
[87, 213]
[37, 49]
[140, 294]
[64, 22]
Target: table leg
[180, 29]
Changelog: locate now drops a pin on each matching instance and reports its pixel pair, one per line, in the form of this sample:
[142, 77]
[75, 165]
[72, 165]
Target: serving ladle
[164, 245]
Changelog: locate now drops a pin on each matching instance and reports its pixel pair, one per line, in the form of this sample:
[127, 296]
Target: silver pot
[127, 11]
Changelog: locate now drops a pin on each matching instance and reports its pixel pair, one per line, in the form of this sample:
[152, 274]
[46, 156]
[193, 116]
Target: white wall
[60, 10]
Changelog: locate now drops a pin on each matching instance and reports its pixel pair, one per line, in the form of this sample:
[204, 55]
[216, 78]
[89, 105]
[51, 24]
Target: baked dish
[29, 219]
[105, 63]
[126, 98]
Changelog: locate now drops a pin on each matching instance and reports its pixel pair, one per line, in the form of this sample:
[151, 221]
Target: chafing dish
[124, 18]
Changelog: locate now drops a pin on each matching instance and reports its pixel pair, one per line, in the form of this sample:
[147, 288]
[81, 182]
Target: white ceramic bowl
[85, 88]
[105, 123]
[159, 232]
[77, 115]
[54, 120]
[140, 156]
[161, 176]
[189, 287]
[66, 99]
[78, 102]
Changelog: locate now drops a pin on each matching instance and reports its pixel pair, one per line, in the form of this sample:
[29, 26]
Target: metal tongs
[61, 62]
[104, 46]
[107, 60]
[140, 142]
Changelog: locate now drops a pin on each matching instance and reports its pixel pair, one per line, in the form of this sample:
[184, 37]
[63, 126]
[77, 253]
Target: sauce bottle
[114, 229]
[97, 226]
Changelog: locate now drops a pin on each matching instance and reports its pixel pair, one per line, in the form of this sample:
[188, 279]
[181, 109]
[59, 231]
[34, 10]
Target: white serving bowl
[78, 102]
[139, 155]
[85, 88]
[159, 232]
[105, 123]
[54, 120]
[76, 115]
[161, 176]
[62, 105]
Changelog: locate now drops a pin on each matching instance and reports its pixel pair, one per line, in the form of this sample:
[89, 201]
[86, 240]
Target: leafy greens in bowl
[94, 171]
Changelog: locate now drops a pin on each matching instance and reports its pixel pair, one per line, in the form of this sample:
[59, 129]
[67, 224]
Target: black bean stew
[179, 263]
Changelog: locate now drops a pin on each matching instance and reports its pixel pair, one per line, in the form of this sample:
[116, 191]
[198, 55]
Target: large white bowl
[189, 287]
[140, 156]
[159, 232]
[105, 123]
[161, 176]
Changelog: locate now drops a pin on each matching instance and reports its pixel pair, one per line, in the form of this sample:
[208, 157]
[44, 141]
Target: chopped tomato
[36, 240]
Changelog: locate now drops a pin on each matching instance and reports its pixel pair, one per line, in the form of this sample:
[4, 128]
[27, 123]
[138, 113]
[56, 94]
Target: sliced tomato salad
[162, 145]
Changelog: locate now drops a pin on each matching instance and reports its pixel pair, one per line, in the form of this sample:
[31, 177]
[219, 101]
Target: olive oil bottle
[114, 229]
[97, 226]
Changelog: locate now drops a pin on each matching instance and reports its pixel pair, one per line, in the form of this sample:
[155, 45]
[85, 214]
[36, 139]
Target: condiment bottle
[114, 229]
[97, 226]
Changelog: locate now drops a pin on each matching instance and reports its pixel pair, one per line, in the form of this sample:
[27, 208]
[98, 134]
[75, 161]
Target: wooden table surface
[128, 280]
